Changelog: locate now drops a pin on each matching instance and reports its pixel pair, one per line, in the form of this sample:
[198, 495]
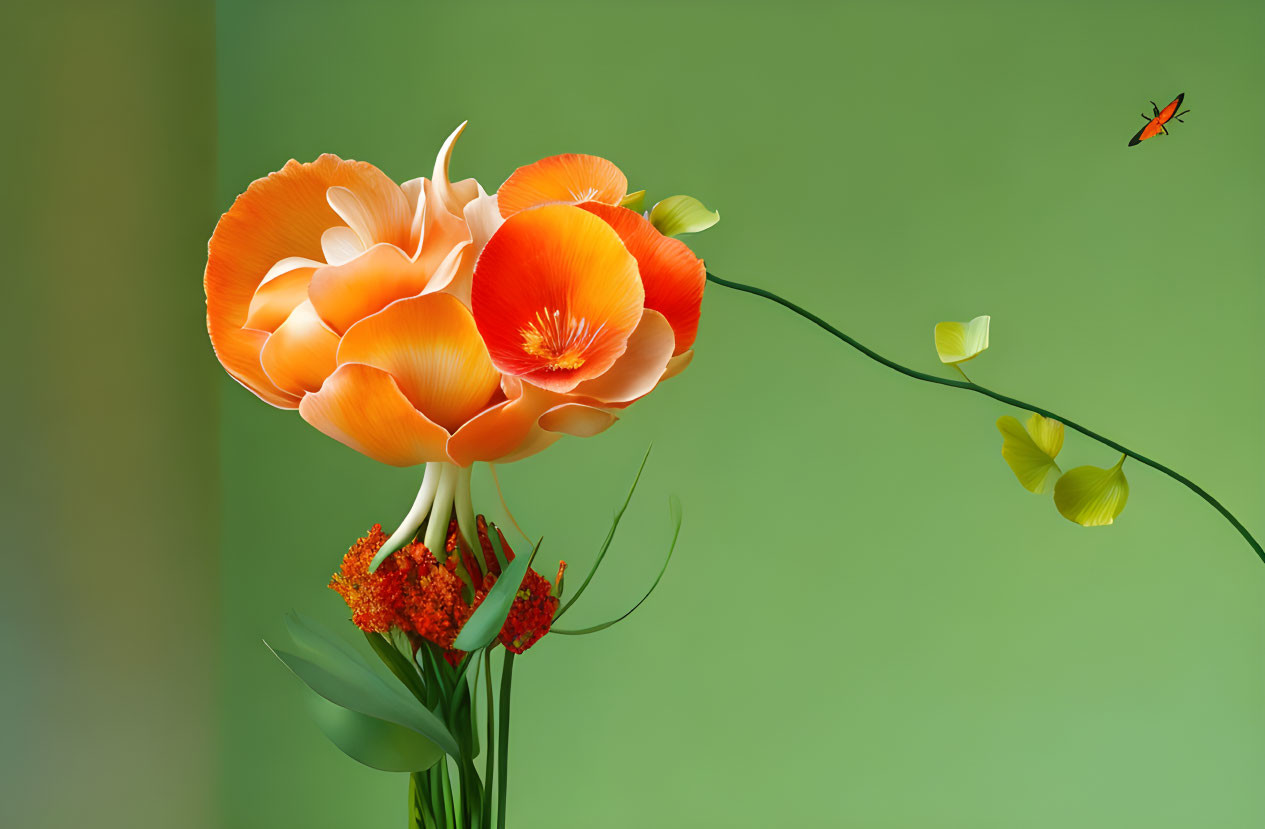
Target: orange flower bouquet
[434, 323]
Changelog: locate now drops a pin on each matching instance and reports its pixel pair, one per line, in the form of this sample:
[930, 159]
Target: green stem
[449, 807]
[490, 761]
[1010, 401]
[507, 673]
[418, 808]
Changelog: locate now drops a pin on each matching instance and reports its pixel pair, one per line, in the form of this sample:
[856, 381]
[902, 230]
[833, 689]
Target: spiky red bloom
[432, 605]
[375, 598]
[532, 612]
[412, 592]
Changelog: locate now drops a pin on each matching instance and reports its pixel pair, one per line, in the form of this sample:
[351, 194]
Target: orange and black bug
[1155, 124]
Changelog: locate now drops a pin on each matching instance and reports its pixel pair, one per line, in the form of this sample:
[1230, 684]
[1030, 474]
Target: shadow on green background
[867, 623]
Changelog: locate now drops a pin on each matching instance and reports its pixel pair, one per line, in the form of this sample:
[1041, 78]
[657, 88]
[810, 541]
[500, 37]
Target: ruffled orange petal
[300, 353]
[279, 216]
[571, 178]
[439, 229]
[362, 407]
[430, 345]
[482, 219]
[378, 213]
[577, 419]
[638, 371]
[673, 276]
[555, 296]
[345, 294]
[276, 298]
[504, 429]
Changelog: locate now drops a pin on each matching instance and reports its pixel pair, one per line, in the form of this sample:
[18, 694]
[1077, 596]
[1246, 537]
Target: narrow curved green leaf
[601, 553]
[373, 742]
[489, 617]
[674, 506]
[682, 214]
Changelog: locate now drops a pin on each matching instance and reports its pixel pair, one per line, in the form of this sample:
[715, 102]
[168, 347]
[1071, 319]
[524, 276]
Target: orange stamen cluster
[412, 592]
[559, 339]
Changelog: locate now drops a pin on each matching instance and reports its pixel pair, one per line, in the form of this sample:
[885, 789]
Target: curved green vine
[978, 389]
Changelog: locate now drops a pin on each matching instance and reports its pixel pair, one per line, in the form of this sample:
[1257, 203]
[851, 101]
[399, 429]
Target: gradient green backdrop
[868, 622]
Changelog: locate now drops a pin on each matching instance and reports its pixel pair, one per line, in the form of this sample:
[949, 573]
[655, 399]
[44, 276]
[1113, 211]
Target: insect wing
[1170, 110]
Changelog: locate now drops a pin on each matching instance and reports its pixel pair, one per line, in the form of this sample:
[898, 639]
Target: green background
[868, 623]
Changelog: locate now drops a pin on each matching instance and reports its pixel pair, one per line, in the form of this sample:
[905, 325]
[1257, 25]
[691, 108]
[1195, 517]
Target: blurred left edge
[109, 648]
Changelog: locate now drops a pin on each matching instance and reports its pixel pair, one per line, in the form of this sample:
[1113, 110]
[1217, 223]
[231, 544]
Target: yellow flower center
[559, 339]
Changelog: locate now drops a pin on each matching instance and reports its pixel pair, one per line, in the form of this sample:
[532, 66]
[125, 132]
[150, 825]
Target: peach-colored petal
[341, 244]
[430, 345]
[345, 294]
[483, 219]
[279, 216]
[414, 193]
[276, 298]
[673, 276]
[300, 353]
[502, 429]
[362, 407]
[677, 365]
[577, 419]
[571, 178]
[377, 215]
[555, 296]
[447, 271]
[454, 196]
[638, 371]
[440, 229]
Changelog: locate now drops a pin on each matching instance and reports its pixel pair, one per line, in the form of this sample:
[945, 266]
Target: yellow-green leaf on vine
[682, 214]
[1092, 497]
[1030, 452]
[635, 201]
[957, 342]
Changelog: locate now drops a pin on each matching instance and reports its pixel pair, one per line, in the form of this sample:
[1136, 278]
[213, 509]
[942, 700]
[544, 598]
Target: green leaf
[682, 214]
[601, 553]
[488, 619]
[375, 743]
[957, 342]
[1092, 497]
[635, 201]
[334, 669]
[674, 506]
[398, 663]
[1030, 452]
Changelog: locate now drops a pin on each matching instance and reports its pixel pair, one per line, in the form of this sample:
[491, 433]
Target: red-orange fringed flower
[532, 612]
[412, 592]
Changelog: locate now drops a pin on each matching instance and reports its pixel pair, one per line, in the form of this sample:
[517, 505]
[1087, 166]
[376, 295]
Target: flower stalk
[416, 515]
[437, 526]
